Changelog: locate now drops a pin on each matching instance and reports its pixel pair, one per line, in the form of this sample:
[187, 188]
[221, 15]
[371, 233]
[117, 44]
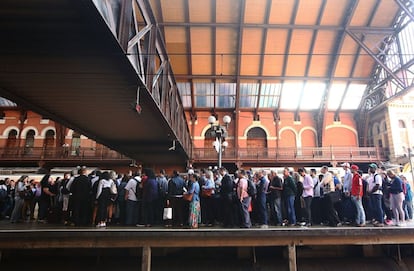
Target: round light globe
[211, 119]
[226, 119]
[225, 144]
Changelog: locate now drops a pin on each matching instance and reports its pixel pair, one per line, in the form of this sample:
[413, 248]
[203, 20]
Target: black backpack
[3, 194]
[65, 190]
[251, 188]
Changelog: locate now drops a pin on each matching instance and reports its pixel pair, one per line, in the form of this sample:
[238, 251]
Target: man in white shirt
[375, 195]
[132, 211]
[307, 194]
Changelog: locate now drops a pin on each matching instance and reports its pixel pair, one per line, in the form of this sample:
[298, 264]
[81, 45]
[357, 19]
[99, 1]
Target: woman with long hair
[194, 217]
[397, 198]
[103, 196]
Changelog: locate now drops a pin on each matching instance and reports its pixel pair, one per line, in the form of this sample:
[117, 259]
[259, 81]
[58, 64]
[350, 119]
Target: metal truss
[134, 26]
[390, 77]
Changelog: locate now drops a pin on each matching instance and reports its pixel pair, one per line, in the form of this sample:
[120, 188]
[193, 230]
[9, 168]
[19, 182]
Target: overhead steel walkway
[98, 68]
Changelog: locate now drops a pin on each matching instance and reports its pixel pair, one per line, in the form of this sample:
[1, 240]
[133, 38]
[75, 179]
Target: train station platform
[26, 236]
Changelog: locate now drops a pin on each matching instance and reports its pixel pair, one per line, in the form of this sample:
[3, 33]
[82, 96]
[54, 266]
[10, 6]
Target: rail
[321, 154]
[59, 153]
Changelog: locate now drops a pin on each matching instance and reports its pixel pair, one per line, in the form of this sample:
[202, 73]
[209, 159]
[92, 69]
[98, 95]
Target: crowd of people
[211, 198]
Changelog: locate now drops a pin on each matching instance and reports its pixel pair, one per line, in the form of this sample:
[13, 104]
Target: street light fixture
[220, 133]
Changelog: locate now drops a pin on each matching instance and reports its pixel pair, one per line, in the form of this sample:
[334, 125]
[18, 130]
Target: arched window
[29, 143]
[11, 142]
[209, 138]
[49, 143]
[49, 138]
[256, 138]
[76, 143]
[30, 136]
[403, 133]
[11, 139]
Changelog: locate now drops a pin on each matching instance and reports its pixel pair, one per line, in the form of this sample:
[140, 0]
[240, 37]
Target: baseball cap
[345, 165]
[373, 165]
[354, 167]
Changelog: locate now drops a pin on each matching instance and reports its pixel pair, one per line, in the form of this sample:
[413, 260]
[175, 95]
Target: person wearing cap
[375, 192]
[356, 196]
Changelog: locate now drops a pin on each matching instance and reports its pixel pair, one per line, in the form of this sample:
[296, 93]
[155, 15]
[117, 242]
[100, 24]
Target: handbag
[207, 192]
[188, 197]
[167, 213]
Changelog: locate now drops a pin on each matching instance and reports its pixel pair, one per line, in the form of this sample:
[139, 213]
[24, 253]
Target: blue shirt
[396, 186]
[195, 189]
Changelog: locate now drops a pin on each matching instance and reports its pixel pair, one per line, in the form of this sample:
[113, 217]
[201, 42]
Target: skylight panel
[335, 95]
[204, 94]
[353, 96]
[226, 95]
[290, 95]
[312, 95]
[185, 92]
[270, 95]
[248, 95]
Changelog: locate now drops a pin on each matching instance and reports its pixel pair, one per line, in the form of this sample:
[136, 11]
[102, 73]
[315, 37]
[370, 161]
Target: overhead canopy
[284, 54]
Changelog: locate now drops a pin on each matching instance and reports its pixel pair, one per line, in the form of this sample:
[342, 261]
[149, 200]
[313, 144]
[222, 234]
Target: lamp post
[220, 133]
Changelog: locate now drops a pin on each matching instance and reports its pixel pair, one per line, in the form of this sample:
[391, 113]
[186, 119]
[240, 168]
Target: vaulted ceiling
[276, 54]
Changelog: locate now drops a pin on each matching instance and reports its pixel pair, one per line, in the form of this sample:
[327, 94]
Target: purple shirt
[307, 186]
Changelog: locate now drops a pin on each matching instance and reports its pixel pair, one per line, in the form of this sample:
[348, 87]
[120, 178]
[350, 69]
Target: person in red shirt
[356, 196]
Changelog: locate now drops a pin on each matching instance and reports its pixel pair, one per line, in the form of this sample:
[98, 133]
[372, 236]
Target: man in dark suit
[80, 190]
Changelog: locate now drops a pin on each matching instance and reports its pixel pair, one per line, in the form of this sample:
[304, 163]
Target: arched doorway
[29, 143]
[209, 138]
[49, 142]
[11, 143]
[257, 142]
[76, 143]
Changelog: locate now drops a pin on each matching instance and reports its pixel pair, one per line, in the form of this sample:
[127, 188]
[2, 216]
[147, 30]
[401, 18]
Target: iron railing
[59, 153]
[322, 154]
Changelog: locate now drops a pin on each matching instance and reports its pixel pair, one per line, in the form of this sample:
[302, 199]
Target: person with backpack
[65, 194]
[244, 198]
[408, 200]
[131, 205]
[289, 194]
[330, 197]
[357, 192]
[397, 198]
[375, 181]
